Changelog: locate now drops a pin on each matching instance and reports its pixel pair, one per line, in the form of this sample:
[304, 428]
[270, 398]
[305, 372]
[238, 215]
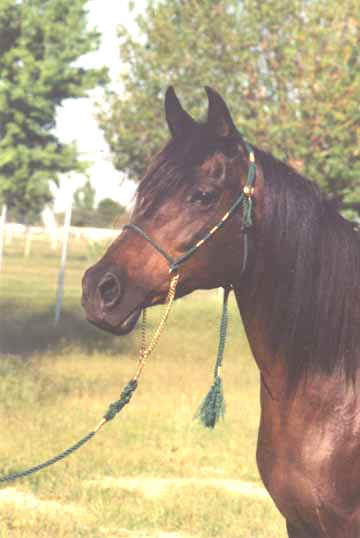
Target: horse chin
[123, 328]
[129, 324]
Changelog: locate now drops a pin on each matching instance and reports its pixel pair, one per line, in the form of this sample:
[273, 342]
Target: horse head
[187, 189]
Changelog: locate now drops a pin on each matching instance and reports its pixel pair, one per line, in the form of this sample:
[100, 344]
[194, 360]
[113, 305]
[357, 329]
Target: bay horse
[299, 299]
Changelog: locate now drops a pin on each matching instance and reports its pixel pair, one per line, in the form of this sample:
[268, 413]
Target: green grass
[57, 382]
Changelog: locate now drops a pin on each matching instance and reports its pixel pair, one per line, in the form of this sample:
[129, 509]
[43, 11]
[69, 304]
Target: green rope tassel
[213, 405]
[124, 399]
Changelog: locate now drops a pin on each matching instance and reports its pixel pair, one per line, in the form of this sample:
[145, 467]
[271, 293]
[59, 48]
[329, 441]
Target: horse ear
[219, 118]
[179, 121]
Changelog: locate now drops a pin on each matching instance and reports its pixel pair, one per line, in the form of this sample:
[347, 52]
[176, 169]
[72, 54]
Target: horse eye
[204, 197]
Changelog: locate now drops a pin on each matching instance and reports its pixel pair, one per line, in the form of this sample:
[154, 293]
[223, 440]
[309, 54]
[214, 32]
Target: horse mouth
[130, 323]
[125, 327]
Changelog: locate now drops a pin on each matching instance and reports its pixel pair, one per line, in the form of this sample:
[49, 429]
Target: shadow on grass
[24, 332]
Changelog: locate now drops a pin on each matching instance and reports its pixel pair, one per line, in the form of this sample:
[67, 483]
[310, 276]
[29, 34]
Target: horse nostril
[110, 289]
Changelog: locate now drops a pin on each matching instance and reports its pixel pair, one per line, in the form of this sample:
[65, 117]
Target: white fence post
[60, 288]
[28, 239]
[2, 233]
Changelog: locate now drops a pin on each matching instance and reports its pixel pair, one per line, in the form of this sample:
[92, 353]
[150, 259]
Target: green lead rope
[113, 409]
[213, 405]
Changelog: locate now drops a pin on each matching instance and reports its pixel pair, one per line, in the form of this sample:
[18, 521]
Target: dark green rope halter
[244, 199]
[213, 405]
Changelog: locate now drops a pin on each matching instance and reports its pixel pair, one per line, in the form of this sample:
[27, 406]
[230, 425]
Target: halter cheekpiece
[244, 199]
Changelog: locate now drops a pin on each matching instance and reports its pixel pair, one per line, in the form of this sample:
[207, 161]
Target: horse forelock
[172, 168]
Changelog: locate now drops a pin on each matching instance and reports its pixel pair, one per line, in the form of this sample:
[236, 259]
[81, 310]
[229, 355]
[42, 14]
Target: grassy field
[152, 472]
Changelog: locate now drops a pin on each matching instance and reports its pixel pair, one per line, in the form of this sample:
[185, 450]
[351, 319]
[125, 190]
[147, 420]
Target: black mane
[313, 255]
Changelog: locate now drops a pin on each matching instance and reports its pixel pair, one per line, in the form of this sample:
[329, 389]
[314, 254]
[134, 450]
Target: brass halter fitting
[248, 191]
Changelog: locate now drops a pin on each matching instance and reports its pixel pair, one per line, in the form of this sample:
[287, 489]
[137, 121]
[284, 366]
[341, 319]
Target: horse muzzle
[107, 302]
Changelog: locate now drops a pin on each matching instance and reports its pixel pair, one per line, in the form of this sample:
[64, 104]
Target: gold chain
[146, 351]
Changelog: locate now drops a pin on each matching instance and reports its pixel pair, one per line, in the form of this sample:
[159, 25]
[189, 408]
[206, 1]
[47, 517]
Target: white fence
[15, 230]
[57, 236]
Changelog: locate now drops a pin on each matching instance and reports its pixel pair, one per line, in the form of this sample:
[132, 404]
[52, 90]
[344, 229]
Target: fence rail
[15, 230]
[37, 240]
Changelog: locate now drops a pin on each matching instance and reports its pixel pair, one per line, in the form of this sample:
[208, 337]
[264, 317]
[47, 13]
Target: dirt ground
[156, 487]
[149, 487]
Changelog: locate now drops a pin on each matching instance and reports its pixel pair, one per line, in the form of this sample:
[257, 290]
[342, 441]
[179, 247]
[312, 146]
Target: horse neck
[255, 315]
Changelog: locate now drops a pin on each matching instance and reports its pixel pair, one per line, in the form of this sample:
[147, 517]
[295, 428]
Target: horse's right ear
[219, 117]
[179, 121]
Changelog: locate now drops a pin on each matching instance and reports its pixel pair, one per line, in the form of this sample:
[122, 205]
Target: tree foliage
[110, 213]
[84, 197]
[40, 43]
[85, 213]
[288, 69]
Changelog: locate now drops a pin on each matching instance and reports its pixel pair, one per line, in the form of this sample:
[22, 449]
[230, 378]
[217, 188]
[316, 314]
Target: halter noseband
[244, 199]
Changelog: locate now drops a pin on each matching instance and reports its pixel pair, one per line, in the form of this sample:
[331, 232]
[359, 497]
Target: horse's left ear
[219, 118]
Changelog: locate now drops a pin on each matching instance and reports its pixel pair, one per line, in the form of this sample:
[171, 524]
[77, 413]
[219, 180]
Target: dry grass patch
[55, 385]
[158, 487]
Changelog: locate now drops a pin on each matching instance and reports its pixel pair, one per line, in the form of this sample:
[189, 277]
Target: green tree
[40, 43]
[84, 212]
[84, 197]
[289, 70]
[110, 213]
